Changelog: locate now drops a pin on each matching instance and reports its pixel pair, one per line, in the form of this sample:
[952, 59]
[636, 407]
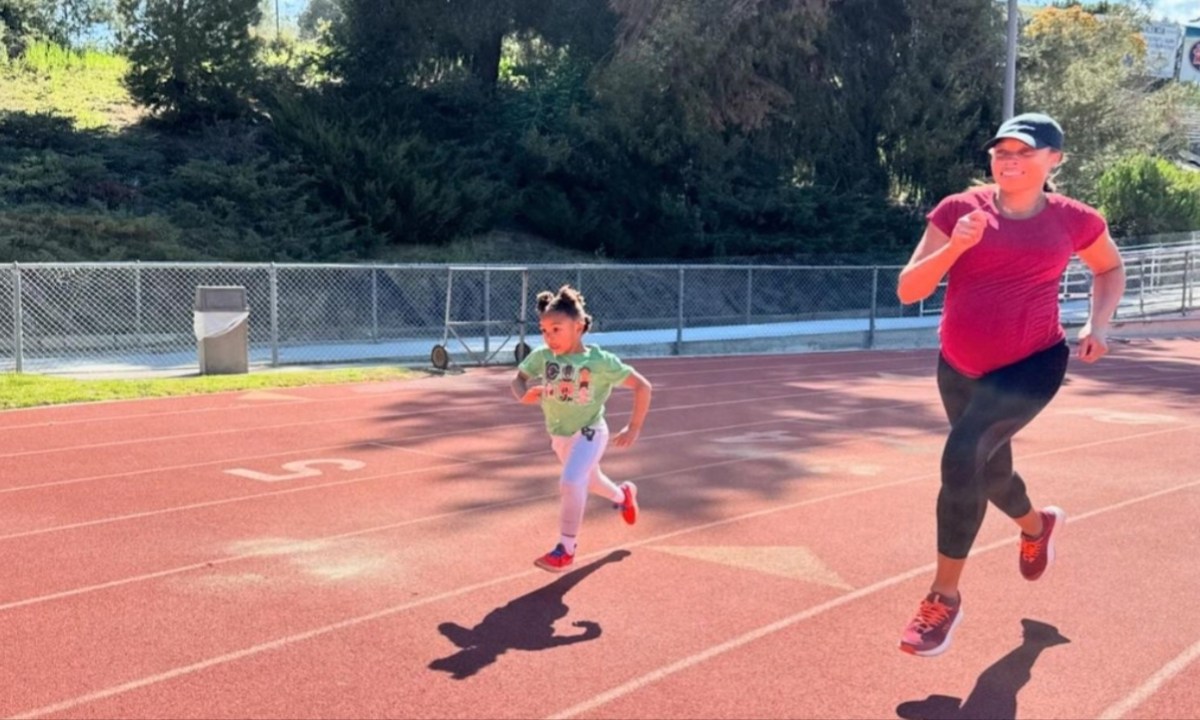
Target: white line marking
[784, 623]
[397, 416]
[600, 699]
[297, 469]
[1153, 683]
[371, 530]
[501, 381]
[352, 445]
[366, 478]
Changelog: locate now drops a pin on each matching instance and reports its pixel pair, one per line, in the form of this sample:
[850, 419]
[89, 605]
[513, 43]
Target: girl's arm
[1108, 285]
[641, 405]
[522, 392]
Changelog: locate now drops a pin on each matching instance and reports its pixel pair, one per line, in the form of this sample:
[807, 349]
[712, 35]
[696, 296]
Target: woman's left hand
[1093, 343]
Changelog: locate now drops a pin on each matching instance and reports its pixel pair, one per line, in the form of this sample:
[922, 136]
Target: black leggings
[977, 463]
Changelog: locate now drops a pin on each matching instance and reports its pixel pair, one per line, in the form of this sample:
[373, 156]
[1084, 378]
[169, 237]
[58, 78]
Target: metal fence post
[1142, 286]
[137, 306]
[18, 321]
[487, 315]
[375, 303]
[679, 321]
[874, 307]
[749, 295]
[274, 283]
[1187, 272]
[1192, 291]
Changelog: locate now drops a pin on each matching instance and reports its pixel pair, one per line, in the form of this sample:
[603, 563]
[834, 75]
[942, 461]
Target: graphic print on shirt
[565, 385]
[585, 381]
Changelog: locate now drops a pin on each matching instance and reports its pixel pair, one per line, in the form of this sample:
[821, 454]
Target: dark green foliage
[623, 129]
[225, 193]
[191, 59]
[52, 234]
[389, 175]
[1143, 195]
[316, 14]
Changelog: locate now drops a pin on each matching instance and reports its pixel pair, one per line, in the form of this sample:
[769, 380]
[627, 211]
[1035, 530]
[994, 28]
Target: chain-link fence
[130, 316]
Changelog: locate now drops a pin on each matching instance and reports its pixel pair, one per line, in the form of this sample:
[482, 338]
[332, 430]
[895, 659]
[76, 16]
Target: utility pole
[1010, 65]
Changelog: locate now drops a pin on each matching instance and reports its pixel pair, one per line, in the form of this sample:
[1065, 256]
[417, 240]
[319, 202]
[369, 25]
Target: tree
[420, 43]
[944, 100]
[729, 63]
[61, 22]
[1085, 70]
[318, 13]
[191, 59]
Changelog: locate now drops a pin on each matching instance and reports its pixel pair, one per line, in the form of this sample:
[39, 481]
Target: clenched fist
[968, 231]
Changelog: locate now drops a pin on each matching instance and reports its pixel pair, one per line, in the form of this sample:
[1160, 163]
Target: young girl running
[1004, 352]
[572, 381]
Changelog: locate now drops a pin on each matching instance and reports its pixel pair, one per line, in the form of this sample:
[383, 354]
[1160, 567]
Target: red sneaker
[556, 560]
[629, 506]
[928, 633]
[1037, 553]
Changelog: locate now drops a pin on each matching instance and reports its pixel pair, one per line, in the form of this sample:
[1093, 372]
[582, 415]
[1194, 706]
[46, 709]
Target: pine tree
[191, 59]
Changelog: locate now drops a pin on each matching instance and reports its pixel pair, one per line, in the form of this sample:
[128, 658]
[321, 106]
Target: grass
[24, 390]
[84, 85]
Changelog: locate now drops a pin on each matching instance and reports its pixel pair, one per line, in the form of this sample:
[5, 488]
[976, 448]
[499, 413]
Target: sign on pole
[1162, 48]
[1189, 65]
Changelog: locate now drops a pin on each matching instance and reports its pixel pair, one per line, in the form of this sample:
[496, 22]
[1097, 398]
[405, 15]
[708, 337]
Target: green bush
[53, 234]
[387, 174]
[1144, 195]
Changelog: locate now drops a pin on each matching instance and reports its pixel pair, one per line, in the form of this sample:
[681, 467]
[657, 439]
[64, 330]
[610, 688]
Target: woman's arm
[935, 254]
[1108, 286]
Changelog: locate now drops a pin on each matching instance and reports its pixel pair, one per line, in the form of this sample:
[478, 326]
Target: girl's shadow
[526, 623]
[994, 696]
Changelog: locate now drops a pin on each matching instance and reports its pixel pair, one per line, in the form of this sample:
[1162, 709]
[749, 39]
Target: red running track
[366, 551]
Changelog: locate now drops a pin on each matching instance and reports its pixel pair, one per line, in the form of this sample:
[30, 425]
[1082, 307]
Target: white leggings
[580, 456]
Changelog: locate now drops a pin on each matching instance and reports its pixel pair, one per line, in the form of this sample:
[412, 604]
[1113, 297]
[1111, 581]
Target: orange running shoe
[1037, 553]
[928, 633]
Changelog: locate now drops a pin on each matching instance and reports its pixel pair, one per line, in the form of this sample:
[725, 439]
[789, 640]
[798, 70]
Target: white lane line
[377, 416]
[351, 445]
[628, 687]
[757, 634]
[83, 590]
[439, 434]
[499, 380]
[391, 474]
[1147, 689]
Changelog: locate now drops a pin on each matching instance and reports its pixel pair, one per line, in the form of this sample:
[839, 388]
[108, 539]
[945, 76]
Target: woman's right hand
[968, 231]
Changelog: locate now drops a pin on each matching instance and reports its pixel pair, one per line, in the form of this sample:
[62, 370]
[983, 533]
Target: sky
[1175, 10]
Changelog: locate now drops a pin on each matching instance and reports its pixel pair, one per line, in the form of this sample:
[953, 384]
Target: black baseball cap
[1034, 129]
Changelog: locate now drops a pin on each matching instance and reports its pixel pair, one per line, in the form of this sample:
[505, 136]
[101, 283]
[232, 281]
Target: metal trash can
[222, 327]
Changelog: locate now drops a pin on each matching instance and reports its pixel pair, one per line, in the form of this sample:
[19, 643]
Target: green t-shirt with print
[574, 386]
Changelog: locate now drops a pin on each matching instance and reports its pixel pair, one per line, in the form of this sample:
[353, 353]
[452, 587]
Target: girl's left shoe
[556, 560]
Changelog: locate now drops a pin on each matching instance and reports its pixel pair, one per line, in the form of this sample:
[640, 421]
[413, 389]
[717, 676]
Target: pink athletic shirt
[1002, 298]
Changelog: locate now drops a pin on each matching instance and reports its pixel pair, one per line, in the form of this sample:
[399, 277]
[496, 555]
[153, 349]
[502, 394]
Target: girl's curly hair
[567, 301]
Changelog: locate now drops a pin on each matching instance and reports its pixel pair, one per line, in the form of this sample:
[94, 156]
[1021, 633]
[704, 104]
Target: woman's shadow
[994, 696]
[526, 623]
